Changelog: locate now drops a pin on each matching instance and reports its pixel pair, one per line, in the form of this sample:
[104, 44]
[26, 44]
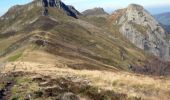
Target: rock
[130, 67]
[68, 96]
[45, 3]
[70, 10]
[28, 97]
[51, 3]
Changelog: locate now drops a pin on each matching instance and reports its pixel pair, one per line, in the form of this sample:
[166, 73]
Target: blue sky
[154, 6]
[6, 4]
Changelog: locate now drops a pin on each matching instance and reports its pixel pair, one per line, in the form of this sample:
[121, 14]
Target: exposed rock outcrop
[68, 96]
[70, 10]
[143, 30]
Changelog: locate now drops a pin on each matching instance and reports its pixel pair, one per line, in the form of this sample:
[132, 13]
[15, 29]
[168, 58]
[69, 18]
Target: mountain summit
[143, 30]
[95, 12]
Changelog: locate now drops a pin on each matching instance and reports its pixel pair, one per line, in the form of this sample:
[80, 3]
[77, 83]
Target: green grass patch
[2, 86]
[15, 98]
[115, 82]
[14, 57]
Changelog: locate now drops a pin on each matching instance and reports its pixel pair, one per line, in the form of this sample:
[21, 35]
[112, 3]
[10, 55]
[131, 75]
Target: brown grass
[148, 88]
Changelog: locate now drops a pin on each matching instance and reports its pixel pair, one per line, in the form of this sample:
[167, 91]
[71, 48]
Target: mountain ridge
[85, 29]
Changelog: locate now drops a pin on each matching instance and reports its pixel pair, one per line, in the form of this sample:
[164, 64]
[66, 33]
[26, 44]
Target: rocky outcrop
[95, 12]
[68, 96]
[143, 30]
[51, 3]
[70, 10]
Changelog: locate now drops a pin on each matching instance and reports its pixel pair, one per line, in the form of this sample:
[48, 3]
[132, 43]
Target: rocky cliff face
[70, 10]
[143, 30]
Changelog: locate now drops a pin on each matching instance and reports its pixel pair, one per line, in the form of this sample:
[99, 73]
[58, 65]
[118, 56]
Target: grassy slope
[85, 39]
[131, 53]
[47, 81]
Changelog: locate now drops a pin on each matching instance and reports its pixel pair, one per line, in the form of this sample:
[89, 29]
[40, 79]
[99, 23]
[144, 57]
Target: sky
[153, 6]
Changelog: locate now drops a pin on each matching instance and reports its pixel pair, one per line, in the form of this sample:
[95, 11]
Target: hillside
[78, 40]
[60, 53]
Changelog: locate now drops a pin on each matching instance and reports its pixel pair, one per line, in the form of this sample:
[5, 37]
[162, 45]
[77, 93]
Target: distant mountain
[167, 27]
[164, 19]
[95, 12]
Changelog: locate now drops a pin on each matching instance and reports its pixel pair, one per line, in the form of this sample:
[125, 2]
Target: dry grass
[146, 87]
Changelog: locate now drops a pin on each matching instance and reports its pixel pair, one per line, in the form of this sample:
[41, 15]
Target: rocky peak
[21, 15]
[141, 28]
[51, 3]
[94, 12]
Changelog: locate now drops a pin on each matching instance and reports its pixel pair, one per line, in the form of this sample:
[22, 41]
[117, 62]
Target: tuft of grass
[14, 57]
[115, 82]
[15, 98]
[145, 88]
[38, 94]
[2, 85]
